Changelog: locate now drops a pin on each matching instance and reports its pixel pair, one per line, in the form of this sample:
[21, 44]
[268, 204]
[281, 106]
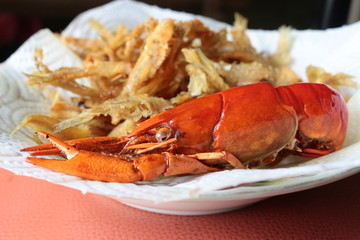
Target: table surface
[35, 209]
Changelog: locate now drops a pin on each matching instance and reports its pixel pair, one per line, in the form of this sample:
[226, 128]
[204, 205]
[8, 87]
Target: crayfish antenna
[47, 152]
[37, 148]
[93, 144]
[42, 150]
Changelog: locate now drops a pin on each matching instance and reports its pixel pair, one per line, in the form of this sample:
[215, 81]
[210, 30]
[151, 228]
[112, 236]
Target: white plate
[236, 198]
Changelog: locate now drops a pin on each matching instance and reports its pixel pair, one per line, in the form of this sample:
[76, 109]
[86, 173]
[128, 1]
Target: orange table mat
[35, 209]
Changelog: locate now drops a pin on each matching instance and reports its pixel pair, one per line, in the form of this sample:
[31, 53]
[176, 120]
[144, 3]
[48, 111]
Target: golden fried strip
[133, 108]
[281, 58]
[202, 69]
[136, 39]
[319, 75]
[46, 123]
[155, 51]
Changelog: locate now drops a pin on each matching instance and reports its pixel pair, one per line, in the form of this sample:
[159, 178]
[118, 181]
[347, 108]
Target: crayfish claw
[86, 164]
[64, 148]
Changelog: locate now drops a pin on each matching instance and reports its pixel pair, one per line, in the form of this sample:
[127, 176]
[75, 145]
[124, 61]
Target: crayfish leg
[309, 152]
[182, 164]
[219, 158]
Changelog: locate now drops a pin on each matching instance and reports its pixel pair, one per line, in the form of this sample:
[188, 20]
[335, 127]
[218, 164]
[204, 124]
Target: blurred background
[19, 19]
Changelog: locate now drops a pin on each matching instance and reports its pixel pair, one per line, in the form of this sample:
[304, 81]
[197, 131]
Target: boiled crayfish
[243, 127]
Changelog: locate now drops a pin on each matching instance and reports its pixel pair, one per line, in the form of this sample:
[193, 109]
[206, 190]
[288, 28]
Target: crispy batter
[204, 78]
[246, 73]
[123, 128]
[319, 75]
[46, 123]
[282, 58]
[129, 75]
[154, 53]
[133, 108]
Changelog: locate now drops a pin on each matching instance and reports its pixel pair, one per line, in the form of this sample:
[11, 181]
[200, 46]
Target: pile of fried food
[128, 75]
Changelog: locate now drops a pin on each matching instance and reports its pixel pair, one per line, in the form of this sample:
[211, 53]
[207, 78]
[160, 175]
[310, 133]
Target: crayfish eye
[162, 134]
